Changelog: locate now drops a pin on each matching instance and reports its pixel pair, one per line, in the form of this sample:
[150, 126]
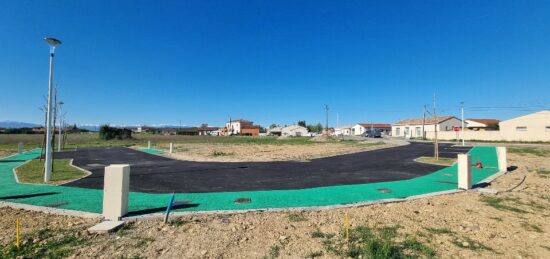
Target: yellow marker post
[347, 226]
[17, 234]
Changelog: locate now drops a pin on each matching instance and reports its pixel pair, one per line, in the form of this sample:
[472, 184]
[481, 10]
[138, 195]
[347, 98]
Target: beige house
[530, 127]
[412, 128]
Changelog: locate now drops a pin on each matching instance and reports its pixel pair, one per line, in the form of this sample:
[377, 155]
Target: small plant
[439, 230]
[44, 243]
[217, 153]
[531, 227]
[274, 251]
[498, 203]
[296, 217]
[314, 254]
[468, 243]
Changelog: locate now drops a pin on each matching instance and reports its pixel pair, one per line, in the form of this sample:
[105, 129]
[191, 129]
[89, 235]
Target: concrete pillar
[149, 144]
[19, 147]
[115, 191]
[502, 163]
[464, 172]
[171, 148]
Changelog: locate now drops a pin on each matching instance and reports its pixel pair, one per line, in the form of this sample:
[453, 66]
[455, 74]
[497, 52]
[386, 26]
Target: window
[397, 131]
[521, 128]
[417, 131]
[547, 128]
[406, 131]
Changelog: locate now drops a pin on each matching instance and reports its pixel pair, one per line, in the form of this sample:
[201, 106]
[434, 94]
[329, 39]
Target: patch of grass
[44, 243]
[177, 222]
[498, 203]
[274, 252]
[441, 161]
[217, 153]
[125, 229]
[296, 217]
[141, 241]
[439, 231]
[32, 172]
[543, 172]
[377, 243]
[531, 227]
[318, 234]
[471, 244]
[530, 150]
[314, 254]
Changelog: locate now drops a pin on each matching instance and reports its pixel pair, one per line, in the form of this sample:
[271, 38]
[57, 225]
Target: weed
[439, 230]
[125, 229]
[274, 252]
[44, 243]
[314, 254]
[497, 203]
[318, 234]
[530, 150]
[177, 222]
[217, 153]
[531, 227]
[296, 217]
[412, 244]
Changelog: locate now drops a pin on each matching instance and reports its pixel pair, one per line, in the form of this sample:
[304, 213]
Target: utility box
[502, 163]
[116, 187]
[464, 172]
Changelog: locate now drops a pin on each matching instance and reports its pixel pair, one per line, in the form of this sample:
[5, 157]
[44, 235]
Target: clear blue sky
[159, 62]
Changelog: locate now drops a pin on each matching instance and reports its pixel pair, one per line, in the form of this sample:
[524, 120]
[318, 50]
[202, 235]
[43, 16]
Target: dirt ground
[267, 152]
[472, 224]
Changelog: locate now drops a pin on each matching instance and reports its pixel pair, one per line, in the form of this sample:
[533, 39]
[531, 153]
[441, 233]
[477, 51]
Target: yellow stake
[17, 233]
[347, 226]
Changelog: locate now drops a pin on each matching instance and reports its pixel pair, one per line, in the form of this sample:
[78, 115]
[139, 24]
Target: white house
[343, 130]
[413, 128]
[292, 130]
[530, 127]
[235, 126]
[360, 128]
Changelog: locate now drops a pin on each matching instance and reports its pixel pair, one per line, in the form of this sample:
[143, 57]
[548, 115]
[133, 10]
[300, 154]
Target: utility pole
[60, 127]
[436, 146]
[462, 129]
[337, 120]
[326, 124]
[424, 123]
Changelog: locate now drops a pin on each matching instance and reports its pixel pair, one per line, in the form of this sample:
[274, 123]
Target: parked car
[374, 133]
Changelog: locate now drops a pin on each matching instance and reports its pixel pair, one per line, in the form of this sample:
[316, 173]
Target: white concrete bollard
[149, 144]
[171, 148]
[115, 191]
[464, 172]
[19, 147]
[502, 163]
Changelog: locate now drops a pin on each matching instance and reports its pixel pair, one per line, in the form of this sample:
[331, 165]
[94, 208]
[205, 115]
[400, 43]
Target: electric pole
[462, 130]
[59, 140]
[326, 123]
[436, 147]
[423, 123]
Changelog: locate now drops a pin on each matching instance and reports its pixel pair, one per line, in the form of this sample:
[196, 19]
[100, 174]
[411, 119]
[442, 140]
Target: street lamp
[48, 159]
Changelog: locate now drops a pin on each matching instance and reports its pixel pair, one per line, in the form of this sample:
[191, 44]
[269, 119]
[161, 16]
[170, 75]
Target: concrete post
[149, 144]
[171, 148]
[115, 191]
[19, 147]
[464, 172]
[502, 163]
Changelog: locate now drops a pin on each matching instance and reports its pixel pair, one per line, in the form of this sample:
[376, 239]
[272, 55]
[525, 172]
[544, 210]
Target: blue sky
[159, 62]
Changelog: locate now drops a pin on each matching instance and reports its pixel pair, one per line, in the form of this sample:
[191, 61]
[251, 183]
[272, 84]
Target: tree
[302, 123]
[315, 128]
[272, 126]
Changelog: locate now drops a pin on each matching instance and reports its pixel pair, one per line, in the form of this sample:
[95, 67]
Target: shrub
[108, 133]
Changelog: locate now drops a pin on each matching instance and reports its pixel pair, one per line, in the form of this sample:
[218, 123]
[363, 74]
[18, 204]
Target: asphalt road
[157, 174]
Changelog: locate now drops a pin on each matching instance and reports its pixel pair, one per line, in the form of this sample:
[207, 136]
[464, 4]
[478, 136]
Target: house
[481, 124]
[417, 128]
[342, 130]
[361, 128]
[275, 131]
[292, 130]
[205, 130]
[234, 127]
[530, 127]
[250, 130]
[168, 131]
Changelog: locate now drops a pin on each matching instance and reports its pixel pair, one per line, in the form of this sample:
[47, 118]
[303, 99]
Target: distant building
[481, 124]
[342, 130]
[361, 128]
[412, 128]
[240, 127]
[292, 130]
[205, 130]
[530, 127]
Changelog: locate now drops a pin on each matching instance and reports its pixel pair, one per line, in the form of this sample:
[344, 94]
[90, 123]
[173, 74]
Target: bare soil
[269, 152]
[472, 224]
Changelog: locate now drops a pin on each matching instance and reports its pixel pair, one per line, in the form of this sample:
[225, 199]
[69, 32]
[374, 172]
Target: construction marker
[168, 208]
[347, 226]
[17, 243]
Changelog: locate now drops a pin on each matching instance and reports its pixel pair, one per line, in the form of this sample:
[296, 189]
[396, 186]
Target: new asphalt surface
[156, 174]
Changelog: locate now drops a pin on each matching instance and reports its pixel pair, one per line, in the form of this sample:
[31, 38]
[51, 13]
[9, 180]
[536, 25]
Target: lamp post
[48, 159]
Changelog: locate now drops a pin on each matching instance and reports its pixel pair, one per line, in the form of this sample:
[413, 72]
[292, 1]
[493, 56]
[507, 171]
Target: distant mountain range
[17, 124]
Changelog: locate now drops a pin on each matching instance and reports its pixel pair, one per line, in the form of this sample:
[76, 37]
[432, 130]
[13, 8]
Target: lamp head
[53, 42]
